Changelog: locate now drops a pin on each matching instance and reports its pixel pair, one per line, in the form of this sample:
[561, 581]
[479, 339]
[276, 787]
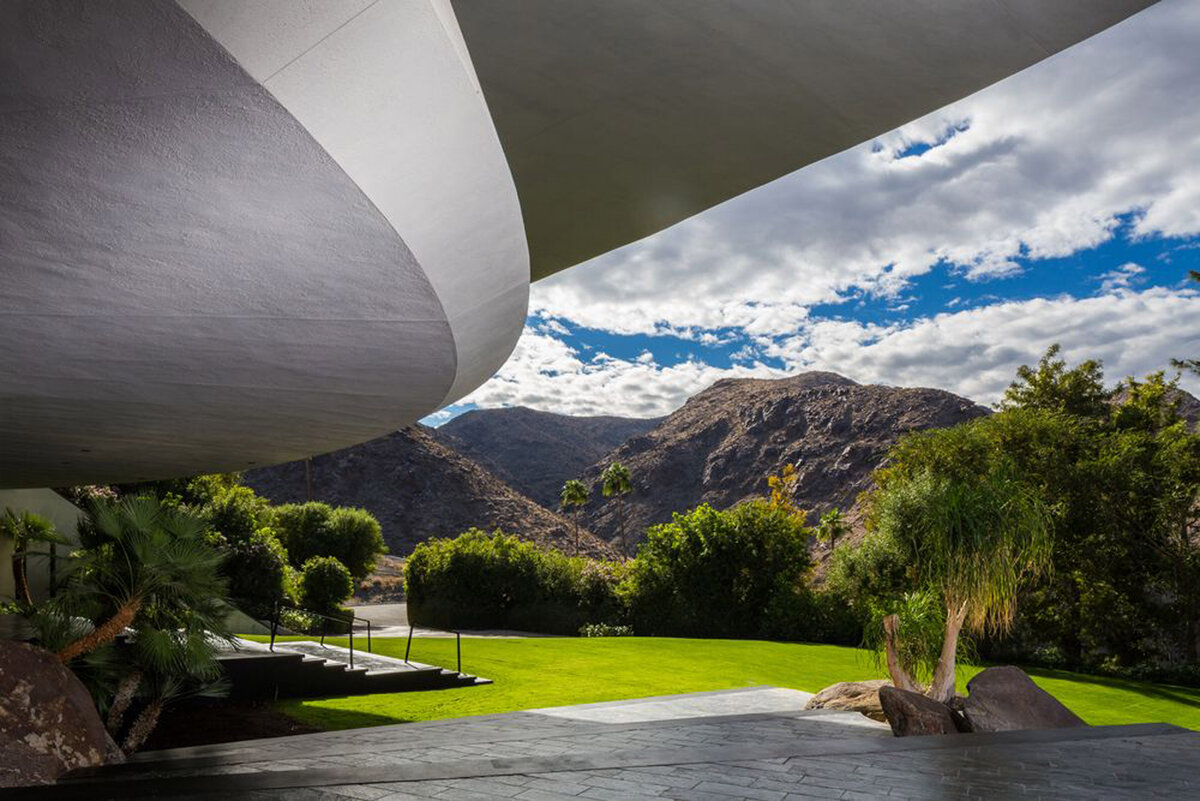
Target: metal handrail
[279, 607]
[457, 643]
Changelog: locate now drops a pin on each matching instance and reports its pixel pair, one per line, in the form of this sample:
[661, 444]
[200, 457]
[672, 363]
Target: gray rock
[48, 724]
[913, 715]
[1005, 699]
[852, 696]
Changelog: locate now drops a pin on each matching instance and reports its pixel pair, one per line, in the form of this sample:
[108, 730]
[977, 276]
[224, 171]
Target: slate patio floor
[756, 743]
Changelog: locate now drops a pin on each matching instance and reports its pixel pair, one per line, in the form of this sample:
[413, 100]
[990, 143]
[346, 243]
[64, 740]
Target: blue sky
[1061, 205]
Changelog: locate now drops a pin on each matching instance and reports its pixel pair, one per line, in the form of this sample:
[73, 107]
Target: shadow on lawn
[331, 718]
[1186, 696]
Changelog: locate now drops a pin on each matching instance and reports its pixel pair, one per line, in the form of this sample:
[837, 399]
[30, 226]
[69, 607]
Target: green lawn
[540, 672]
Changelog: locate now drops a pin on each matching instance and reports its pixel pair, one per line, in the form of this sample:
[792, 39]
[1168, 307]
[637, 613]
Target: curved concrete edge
[389, 92]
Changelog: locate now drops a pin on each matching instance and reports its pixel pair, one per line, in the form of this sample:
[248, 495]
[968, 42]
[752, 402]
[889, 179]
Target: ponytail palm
[974, 542]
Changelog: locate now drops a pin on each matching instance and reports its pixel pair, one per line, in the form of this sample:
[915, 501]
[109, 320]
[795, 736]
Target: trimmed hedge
[483, 581]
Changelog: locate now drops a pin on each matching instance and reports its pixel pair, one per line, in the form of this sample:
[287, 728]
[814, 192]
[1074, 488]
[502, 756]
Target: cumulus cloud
[1041, 165]
[976, 352]
[546, 373]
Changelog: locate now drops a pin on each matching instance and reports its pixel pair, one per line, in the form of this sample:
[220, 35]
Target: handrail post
[458, 645]
[369, 637]
[274, 626]
[352, 645]
[409, 646]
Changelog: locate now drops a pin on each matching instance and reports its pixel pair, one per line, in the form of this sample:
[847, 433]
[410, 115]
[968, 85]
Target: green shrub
[709, 573]
[481, 580]
[258, 573]
[301, 621]
[352, 536]
[235, 513]
[324, 584]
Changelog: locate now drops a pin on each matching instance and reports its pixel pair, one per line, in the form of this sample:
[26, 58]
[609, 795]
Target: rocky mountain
[535, 452]
[721, 446]
[419, 488]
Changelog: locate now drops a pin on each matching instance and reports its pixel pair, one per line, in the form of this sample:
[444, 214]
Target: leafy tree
[352, 536]
[973, 542]
[1051, 387]
[783, 489]
[26, 529]
[616, 481]
[324, 584]
[235, 512]
[1191, 365]
[258, 572]
[714, 573]
[574, 494]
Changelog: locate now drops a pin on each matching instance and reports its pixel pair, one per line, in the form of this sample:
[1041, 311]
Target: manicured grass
[541, 672]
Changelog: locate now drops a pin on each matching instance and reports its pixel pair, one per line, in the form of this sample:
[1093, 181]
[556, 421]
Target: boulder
[912, 714]
[1005, 699]
[852, 696]
[48, 724]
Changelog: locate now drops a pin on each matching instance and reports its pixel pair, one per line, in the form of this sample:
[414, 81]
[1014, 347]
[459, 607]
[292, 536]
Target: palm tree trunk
[21, 578]
[103, 634]
[900, 677]
[942, 687]
[576, 516]
[122, 700]
[142, 726]
[621, 527]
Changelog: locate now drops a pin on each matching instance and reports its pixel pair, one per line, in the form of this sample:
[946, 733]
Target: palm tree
[833, 526]
[974, 543]
[574, 494]
[617, 481]
[24, 530]
[141, 560]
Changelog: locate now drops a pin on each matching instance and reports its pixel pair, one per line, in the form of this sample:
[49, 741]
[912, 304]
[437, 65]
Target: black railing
[457, 644]
[341, 621]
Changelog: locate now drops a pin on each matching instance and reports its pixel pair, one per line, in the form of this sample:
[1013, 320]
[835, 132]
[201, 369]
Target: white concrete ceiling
[238, 232]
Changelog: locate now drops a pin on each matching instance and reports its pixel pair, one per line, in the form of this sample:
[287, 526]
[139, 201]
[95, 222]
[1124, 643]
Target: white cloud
[1124, 277]
[545, 373]
[1041, 165]
[976, 352]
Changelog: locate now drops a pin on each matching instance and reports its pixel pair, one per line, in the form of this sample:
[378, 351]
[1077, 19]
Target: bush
[235, 513]
[258, 573]
[481, 580]
[352, 536]
[304, 622]
[324, 584]
[733, 573]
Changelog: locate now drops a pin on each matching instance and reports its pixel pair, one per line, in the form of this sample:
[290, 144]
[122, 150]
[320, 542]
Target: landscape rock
[1005, 699]
[48, 724]
[914, 715]
[852, 696]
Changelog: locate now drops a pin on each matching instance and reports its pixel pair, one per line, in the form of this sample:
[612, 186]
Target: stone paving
[680, 747]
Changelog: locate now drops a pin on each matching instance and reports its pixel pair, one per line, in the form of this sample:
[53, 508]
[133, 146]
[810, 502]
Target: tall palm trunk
[621, 527]
[942, 686]
[103, 634]
[21, 578]
[576, 516]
